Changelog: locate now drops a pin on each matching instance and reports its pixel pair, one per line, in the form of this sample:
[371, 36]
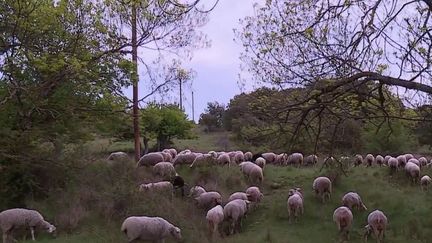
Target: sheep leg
[5, 237]
[32, 233]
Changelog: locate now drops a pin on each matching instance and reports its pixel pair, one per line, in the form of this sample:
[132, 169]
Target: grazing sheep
[269, 157]
[295, 203]
[377, 223]
[379, 160]
[158, 187]
[310, 160]
[295, 159]
[149, 229]
[248, 156]
[369, 159]
[185, 158]
[401, 161]
[172, 151]
[408, 156]
[118, 156]
[386, 159]
[393, 164]
[322, 187]
[238, 195]
[353, 200]
[208, 200]
[261, 162]
[425, 181]
[186, 151]
[423, 161]
[224, 159]
[358, 160]
[203, 159]
[281, 159]
[214, 217]
[150, 159]
[252, 171]
[19, 218]
[255, 194]
[343, 218]
[415, 161]
[413, 171]
[196, 191]
[167, 156]
[234, 211]
[238, 157]
[164, 169]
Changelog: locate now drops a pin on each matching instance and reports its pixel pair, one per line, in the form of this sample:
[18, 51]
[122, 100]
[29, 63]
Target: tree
[342, 51]
[163, 123]
[213, 116]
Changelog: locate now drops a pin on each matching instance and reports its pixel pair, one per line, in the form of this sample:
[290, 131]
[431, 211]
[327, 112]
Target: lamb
[196, 191]
[343, 218]
[269, 157]
[393, 164]
[413, 171]
[224, 159]
[255, 194]
[164, 169]
[252, 171]
[185, 158]
[150, 159]
[425, 181]
[214, 217]
[379, 160]
[248, 156]
[238, 195]
[295, 159]
[322, 187]
[208, 200]
[118, 156]
[401, 161]
[203, 159]
[234, 211]
[369, 159]
[295, 203]
[377, 223]
[158, 187]
[310, 160]
[353, 200]
[358, 160]
[20, 217]
[261, 162]
[149, 229]
[423, 161]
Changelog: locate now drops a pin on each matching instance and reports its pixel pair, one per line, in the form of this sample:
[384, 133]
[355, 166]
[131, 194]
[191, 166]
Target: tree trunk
[145, 142]
[135, 79]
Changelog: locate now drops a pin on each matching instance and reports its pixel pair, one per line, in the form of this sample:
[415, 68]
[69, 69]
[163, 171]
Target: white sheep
[281, 159]
[20, 217]
[322, 187]
[408, 156]
[167, 156]
[379, 160]
[269, 157]
[208, 200]
[214, 217]
[196, 191]
[413, 171]
[393, 164]
[185, 158]
[248, 156]
[118, 157]
[255, 194]
[261, 162]
[343, 218]
[295, 159]
[252, 171]
[310, 160]
[204, 159]
[149, 229]
[172, 151]
[235, 211]
[415, 161]
[186, 151]
[423, 161]
[377, 223]
[401, 161]
[164, 169]
[386, 159]
[238, 195]
[369, 159]
[150, 159]
[425, 181]
[358, 160]
[238, 157]
[295, 204]
[158, 187]
[353, 200]
[224, 159]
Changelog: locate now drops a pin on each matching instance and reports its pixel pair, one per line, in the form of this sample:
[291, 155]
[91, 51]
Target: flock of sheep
[239, 203]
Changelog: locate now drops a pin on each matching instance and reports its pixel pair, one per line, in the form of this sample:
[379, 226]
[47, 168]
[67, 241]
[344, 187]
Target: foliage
[213, 116]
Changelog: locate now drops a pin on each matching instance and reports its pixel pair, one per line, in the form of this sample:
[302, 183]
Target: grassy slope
[406, 206]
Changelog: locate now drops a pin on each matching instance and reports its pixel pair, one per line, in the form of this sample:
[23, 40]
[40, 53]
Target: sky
[217, 67]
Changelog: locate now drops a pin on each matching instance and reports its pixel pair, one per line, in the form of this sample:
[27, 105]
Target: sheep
[186, 151]
[310, 160]
[369, 159]
[208, 200]
[295, 203]
[261, 162]
[252, 171]
[238, 195]
[167, 156]
[425, 181]
[322, 187]
[171, 151]
[185, 158]
[118, 156]
[255, 194]
[353, 200]
[408, 156]
[401, 161]
[196, 191]
[377, 223]
[234, 211]
[269, 157]
[158, 187]
[393, 164]
[413, 171]
[281, 159]
[149, 229]
[214, 217]
[295, 159]
[343, 218]
[415, 161]
[164, 169]
[423, 161]
[358, 160]
[203, 159]
[11, 219]
[386, 159]
[238, 157]
[248, 156]
[224, 159]
[379, 160]
[150, 159]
